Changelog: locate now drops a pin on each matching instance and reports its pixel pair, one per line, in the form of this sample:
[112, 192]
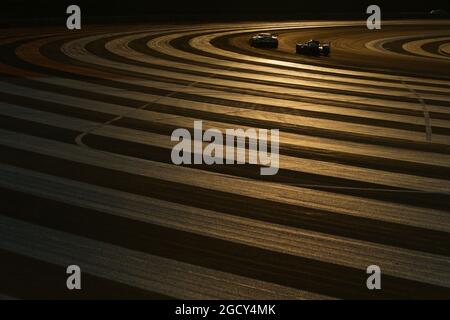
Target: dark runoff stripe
[284, 269]
[284, 176]
[433, 47]
[38, 129]
[389, 165]
[159, 154]
[377, 231]
[233, 119]
[27, 278]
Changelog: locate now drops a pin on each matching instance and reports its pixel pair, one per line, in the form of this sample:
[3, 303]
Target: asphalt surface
[87, 178]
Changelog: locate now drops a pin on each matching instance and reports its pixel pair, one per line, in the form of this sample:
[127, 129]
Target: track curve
[85, 125]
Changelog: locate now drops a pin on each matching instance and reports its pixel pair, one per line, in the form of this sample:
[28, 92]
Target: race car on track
[313, 47]
[264, 40]
[439, 13]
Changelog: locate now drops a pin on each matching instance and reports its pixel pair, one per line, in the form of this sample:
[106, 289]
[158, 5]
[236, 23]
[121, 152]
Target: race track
[87, 179]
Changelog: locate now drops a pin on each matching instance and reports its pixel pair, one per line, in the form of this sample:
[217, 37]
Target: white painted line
[426, 114]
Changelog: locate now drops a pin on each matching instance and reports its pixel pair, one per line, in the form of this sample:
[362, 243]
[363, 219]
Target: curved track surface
[86, 175]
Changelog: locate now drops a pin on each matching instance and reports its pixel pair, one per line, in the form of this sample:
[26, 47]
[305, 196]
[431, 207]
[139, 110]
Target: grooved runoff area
[87, 179]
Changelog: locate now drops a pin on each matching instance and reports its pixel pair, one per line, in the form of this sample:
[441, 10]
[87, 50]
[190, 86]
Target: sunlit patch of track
[85, 125]
[421, 46]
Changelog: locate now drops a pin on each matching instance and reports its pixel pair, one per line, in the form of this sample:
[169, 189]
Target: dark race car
[264, 40]
[313, 47]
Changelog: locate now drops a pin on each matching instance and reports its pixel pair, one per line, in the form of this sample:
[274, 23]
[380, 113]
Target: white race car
[264, 40]
[439, 13]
